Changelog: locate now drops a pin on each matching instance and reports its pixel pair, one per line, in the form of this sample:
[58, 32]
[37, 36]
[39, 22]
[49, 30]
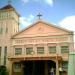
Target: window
[65, 65]
[6, 30]
[0, 51]
[17, 67]
[29, 51]
[4, 15]
[1, 15]
[40, 50]
[5, 55]
[52, 49]
[64, 49]
[18, 51]
[1, 30]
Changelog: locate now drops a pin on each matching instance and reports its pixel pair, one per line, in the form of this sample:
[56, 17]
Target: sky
[58, 12]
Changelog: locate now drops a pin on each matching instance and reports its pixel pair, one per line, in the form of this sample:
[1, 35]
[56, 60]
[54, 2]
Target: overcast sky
[59, 12]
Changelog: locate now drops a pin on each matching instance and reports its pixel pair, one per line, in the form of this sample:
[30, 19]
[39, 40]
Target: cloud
[25, 21]
[68, 23]
[50, 2]
[25, 1]
[31, 17]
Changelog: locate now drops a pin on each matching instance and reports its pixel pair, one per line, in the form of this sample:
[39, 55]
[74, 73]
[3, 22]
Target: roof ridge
[9, 6]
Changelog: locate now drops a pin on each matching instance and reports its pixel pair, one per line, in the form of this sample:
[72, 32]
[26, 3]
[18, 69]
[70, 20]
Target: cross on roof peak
[39, 16]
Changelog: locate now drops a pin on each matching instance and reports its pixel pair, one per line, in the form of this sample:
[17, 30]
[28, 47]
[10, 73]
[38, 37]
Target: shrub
[3, 70]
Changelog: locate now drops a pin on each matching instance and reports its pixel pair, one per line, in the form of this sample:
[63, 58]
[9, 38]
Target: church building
[40, 49]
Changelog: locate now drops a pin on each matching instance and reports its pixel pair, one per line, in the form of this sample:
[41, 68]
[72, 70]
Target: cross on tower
[9, 1]
[39, 16]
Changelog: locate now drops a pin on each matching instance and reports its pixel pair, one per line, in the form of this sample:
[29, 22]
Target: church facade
[41, 49]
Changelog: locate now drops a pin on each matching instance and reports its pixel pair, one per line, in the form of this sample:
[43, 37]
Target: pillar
[57, 68]
[33, 69]
[46, 68]
[46, 50]
[71, 65]
[22, 67]
[10, 67]
[58, 49]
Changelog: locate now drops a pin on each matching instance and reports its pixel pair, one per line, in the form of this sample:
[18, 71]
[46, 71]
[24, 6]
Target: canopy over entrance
[35, 65]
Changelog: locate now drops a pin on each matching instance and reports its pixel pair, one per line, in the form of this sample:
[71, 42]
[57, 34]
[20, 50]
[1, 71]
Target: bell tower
[9, 25]
[9, 21]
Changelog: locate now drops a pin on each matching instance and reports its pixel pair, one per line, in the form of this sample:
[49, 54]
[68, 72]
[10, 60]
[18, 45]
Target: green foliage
[3, 70]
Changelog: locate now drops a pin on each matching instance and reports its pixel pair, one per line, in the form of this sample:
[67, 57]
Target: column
[10, 67]
[46, 49]
[35, 49]
[57, 67]
[22, 69]
[71, 66]
[33, 69]
[2, 56]
[58, 49]
[71, 47]
[46, 68]
[23, 50]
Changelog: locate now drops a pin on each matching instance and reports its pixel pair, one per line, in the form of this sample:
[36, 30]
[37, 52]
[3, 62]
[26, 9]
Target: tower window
[5, 55]
[6, 30]
[0, 51]
[1, 30]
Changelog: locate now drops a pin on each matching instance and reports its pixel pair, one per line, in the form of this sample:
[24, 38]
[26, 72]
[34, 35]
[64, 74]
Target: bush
[3, 70]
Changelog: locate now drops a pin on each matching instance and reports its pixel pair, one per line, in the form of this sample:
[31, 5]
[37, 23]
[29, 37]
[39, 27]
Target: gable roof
[41, 21]
[8, 7]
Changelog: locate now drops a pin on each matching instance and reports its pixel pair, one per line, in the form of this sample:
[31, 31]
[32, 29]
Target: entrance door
[27, 69]
[39, 67]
